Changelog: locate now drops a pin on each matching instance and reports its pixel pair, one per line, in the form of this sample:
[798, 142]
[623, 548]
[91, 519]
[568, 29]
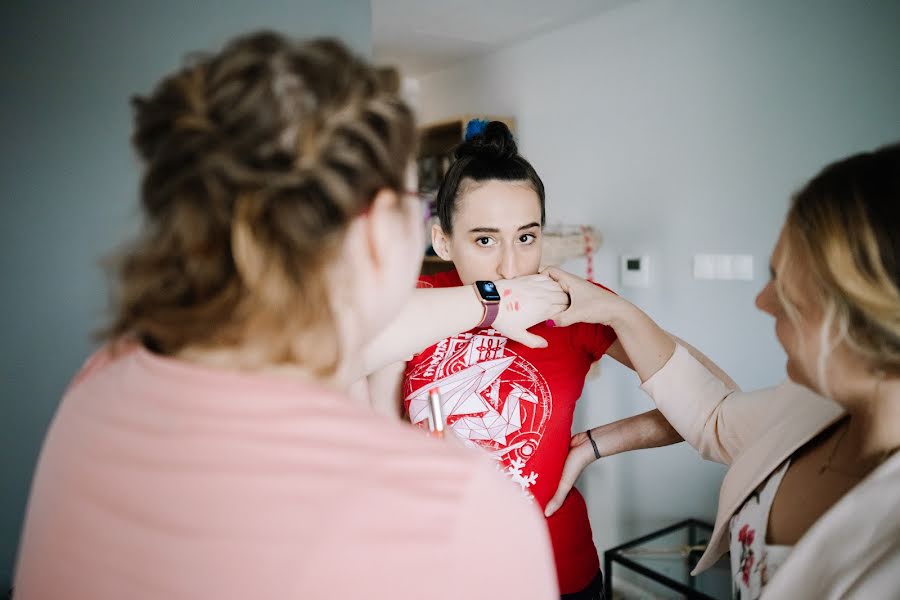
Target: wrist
[489, 297]
[621, 314]
[594, 446]
[606, 439]
[462, 308]
[476, 313]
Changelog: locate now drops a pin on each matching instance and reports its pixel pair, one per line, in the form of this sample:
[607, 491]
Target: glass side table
[666, 558]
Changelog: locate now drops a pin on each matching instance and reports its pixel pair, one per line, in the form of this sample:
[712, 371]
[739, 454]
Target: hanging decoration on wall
[566, 242]
[588, 235]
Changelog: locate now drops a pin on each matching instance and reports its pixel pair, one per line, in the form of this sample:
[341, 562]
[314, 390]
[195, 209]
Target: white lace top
[753, 562]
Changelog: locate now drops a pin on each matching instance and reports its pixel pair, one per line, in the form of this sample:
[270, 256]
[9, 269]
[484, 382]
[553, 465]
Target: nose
[509, 265]
[767, 299]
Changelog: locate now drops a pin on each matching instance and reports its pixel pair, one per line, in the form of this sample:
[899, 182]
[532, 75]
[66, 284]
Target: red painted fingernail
[551, 323]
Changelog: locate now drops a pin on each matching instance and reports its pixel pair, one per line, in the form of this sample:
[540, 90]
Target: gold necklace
[827, 466]
[886, 454]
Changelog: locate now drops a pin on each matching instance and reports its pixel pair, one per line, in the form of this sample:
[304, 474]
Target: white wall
[679, 127]
[68, 191]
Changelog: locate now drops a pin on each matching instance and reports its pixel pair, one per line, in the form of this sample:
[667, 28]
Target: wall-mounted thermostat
[635, 270]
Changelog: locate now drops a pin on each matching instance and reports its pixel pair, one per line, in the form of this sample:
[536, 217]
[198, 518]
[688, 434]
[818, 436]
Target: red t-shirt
[517, 403]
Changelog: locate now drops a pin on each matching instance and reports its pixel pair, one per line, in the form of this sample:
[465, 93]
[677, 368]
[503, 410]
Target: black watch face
[488, 291]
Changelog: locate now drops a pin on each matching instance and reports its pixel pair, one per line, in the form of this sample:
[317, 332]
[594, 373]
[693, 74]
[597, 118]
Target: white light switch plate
[704, 266]
[742, 267]
[723, 266]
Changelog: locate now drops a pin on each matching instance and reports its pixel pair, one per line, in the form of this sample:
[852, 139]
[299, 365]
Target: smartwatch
[490, 299]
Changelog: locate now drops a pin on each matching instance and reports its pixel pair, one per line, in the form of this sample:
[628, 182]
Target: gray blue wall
[69, 179]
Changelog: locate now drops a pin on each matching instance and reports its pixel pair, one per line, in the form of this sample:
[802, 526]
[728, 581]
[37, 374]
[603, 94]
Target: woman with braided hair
[209, 448]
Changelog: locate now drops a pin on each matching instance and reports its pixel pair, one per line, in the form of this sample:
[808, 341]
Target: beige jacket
[854, 549]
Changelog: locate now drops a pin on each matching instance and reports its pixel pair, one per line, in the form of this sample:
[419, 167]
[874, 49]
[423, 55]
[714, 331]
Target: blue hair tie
[475, 127]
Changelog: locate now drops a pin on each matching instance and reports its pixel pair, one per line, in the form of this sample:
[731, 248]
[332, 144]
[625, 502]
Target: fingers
[530, 286]
[575, 464]
[559, 497]
[550, 293]
[528, 339]
[560, 297]
[544, 282]
[578, 439]
[557, 500]
[527, 301]
[557, 304]
[564, 318]
[549, 270]
[557, 274]
[570, 473]
[537, 278]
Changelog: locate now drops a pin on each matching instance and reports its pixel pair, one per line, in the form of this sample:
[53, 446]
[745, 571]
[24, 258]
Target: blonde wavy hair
[256, 158]
[844, 227]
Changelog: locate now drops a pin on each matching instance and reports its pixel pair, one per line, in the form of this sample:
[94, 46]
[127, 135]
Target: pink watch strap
[491, 310]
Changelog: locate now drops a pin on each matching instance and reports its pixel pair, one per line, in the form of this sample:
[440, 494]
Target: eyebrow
[495, 230]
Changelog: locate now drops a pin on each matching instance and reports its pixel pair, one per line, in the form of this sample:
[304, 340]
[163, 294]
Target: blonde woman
[209, 450]
[810, 507]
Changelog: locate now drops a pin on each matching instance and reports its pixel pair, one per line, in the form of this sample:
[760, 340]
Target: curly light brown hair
[255, 158]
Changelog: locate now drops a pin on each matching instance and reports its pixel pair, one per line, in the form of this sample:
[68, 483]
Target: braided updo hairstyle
[256, 159]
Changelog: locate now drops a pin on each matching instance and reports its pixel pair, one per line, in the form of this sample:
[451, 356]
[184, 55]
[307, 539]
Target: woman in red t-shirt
[514, 400]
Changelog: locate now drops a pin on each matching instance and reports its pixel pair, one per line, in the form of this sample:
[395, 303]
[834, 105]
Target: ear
[440, 242]
[382, 224]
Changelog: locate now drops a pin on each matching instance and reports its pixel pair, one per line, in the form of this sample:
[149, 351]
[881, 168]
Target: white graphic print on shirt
[490, 396]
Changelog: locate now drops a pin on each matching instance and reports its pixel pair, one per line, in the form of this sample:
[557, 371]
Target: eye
[485, 241]
[527, 238]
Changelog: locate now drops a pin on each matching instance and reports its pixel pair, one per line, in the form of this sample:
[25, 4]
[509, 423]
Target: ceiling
[421, 36]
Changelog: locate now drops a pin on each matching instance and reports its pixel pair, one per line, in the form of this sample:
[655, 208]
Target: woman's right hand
[581, 454]
[525, 302]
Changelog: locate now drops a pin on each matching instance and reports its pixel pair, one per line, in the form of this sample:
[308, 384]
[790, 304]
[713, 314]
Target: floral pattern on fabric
[752, 562]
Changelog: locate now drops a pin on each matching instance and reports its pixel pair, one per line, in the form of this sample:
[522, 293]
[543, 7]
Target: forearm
[709, 364]
[647, 345]
[428, 317]
[618, 352]
[646, 430]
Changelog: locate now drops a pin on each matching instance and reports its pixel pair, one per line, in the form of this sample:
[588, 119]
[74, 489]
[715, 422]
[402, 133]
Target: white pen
[436, 416]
